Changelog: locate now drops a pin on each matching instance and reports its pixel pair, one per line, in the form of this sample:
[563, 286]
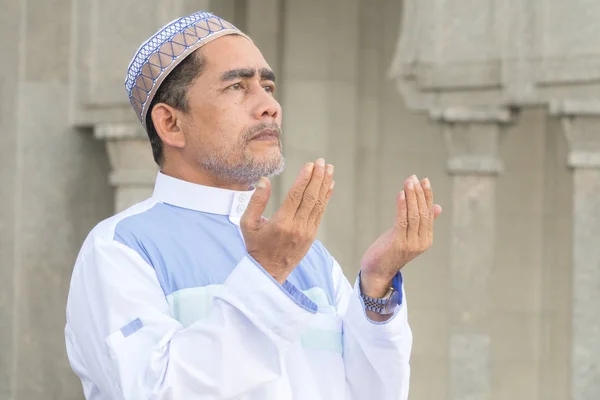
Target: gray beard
[246, 171]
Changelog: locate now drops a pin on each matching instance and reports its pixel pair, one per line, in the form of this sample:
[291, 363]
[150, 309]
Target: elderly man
[193, 294]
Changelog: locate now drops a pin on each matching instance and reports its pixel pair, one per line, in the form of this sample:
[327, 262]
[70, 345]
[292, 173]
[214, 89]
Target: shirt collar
[206, 199]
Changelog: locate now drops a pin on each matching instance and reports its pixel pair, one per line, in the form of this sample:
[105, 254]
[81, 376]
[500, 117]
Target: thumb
[252, 217]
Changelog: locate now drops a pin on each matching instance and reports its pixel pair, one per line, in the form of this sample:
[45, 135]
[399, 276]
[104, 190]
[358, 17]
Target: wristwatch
[384, 306]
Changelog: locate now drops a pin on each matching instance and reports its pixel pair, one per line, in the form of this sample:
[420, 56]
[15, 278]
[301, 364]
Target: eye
[269, 88]
[236, 86]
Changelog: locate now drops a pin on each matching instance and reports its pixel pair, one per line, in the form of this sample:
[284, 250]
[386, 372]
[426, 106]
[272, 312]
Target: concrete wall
[54, 183]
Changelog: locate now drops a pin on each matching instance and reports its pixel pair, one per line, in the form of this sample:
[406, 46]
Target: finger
[429, 199]
[428, 194]
[294, 196]
[401, 215]
[327, 198]
[311, 194]
[253, 216]
[423, 211]
[330, 192]
[319, 209]
[412, 232]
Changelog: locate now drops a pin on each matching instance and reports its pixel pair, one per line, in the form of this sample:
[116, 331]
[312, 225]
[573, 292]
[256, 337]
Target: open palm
[410, 236]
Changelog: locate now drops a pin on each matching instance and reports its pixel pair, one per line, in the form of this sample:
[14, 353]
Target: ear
[167, 122]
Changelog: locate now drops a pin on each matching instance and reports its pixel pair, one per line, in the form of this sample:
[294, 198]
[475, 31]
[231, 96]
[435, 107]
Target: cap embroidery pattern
[159, 55]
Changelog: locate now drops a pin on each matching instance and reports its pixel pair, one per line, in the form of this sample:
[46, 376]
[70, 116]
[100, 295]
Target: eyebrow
[246, 73]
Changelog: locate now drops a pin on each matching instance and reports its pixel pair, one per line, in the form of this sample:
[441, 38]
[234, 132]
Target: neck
[200, 176]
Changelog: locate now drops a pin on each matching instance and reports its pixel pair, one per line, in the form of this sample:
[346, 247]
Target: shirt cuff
[397, 284]
[290, 290]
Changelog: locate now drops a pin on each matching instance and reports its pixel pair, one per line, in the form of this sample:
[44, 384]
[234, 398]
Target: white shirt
[165, 303]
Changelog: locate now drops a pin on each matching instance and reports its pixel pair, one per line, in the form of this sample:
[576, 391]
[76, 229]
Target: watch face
[392, 299]
[395, 300]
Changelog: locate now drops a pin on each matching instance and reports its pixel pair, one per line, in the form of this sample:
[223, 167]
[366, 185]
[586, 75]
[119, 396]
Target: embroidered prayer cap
[159, 55]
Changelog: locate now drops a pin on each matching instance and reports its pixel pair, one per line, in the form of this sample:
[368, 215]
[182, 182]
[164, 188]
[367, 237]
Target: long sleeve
[124, 340]
[376, 355]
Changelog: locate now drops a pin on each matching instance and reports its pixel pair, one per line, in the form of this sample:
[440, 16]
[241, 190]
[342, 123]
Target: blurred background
[496, 102]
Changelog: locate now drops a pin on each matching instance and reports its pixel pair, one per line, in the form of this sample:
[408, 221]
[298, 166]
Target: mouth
[266, 135]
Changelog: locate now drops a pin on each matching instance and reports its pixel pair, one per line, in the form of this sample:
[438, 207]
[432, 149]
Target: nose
[266, 106]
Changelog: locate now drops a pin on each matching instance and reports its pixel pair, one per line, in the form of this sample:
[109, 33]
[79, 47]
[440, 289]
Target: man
[192, 294]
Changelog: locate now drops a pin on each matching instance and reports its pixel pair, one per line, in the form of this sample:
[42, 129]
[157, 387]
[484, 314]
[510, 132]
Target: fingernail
[320, 162]
[411, 184]
[402, 195]
[332, 185]
[427, 183]
[262, 183]
[330, 169]
[415, 180]
[310, 166]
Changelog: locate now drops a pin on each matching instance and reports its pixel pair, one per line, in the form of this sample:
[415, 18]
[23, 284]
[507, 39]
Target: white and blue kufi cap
[159, 55]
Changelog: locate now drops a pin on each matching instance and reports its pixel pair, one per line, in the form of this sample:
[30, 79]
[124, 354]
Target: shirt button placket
[240, 209]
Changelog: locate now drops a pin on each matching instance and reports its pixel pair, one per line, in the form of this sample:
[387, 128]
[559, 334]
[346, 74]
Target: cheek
[221, 123]
[231, 122]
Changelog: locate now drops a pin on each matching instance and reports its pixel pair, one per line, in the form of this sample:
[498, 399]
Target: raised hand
[411, 235]
[280, 243]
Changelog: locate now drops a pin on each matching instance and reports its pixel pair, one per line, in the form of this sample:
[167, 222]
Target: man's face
[233, 126]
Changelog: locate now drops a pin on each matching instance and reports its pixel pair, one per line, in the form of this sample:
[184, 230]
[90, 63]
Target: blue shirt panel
[189, 248]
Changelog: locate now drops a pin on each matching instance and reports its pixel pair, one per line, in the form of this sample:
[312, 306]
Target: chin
[270, 155]
[274, 166]
[278, 170]
[267, 161]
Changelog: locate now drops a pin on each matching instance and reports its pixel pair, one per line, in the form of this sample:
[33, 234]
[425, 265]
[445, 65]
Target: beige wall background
[72, 152]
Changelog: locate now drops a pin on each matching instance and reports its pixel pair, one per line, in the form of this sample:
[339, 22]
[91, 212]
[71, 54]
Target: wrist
[277, 272]
[374, 285]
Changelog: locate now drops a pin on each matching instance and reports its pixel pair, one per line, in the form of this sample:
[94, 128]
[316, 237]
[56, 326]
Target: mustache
[261, 127]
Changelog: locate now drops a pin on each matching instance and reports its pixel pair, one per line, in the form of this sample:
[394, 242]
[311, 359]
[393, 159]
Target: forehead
[232, 52]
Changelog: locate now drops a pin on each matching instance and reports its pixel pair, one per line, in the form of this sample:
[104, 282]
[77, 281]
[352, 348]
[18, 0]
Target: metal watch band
[379, 306]
[372, 304]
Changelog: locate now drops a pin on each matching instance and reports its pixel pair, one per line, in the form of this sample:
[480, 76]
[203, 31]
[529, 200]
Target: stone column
[320, 108]
[133, 170]
[581, 125]
[472, 138]
[11, 19]
[52, 192]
